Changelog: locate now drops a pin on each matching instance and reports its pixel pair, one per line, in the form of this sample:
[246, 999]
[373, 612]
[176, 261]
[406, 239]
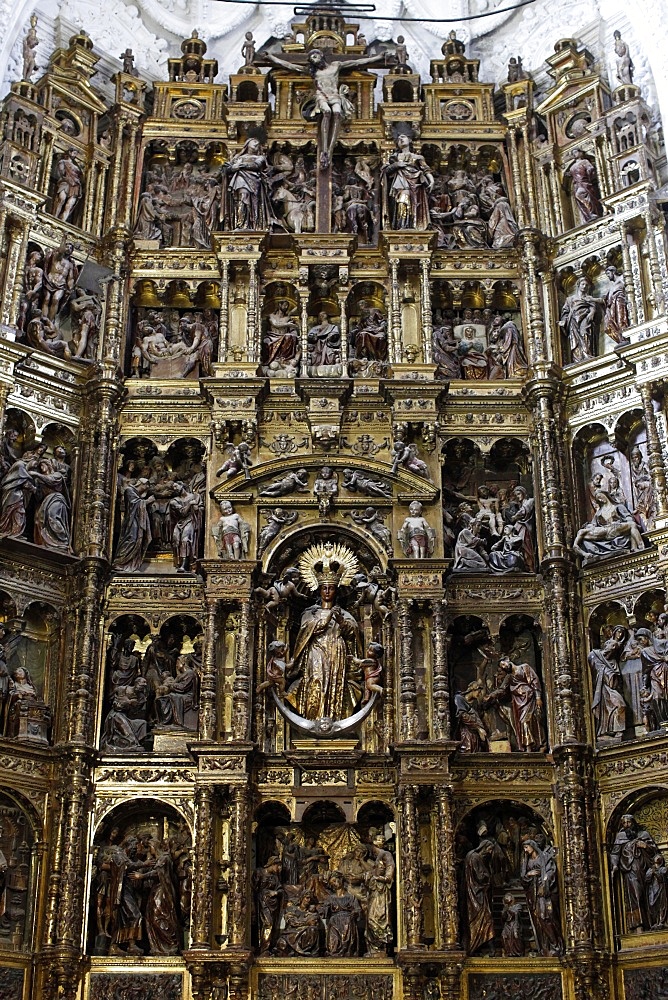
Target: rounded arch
[287, 548]
[322, 813]
[606, 616]
[136, 811]
[273, 813]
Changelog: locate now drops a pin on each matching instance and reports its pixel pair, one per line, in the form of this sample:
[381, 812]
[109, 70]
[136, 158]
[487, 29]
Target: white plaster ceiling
[154, 30]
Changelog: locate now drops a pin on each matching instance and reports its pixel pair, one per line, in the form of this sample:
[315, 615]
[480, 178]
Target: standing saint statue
[246, 190]
[329, 102]
[30, 43]
[407, 183]
[321, 651]
[578, 321]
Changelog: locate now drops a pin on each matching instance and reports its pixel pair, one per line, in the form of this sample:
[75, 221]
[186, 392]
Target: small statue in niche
[33, 288]
[59, 280]
[644, 494]
[612, 530]
[616, 307]
[232, 533]
[30, 43]
[86, 312]
[657, 893]
[407, 183]
[135, 536]
[624, 62]
[406, 455]
[239, 461]
[276, 519]
[275, 668]
[584, 185]
[372, 521]
[69, 185]
[653, 651]
[52, 517]
[512, 944]
[128, 60]
[292, 482]
[538, 874]
[519, 696]
[478, 882]
[578, 321]
[280, 592]
[326, 489]
[608, 704]
[471, 731]
[372, 666]
[248, 190]
[631, 859]
[368, 334]
[416, 536]
[506, 347]
[151, 222]
[282, 346]
[268, 891]
[324, 347]
[186, 511]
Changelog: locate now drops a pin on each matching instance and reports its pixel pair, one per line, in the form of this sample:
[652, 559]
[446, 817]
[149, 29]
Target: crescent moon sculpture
[324, 728]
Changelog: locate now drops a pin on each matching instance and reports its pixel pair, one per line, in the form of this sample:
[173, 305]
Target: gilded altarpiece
[333, 622]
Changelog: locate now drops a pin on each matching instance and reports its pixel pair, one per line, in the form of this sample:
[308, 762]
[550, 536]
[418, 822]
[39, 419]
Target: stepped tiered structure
[334, 520]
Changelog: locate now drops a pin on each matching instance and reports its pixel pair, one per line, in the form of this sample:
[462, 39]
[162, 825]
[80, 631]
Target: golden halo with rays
[327, 562]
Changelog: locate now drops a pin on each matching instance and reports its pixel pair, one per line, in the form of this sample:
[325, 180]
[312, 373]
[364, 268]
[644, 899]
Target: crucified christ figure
[328, 100]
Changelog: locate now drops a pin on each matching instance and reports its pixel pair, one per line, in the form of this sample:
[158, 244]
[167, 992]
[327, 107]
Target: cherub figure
[407, 455]
[280, 590]
[372, 520]
[369, 591]
[416, 535]
[231, 532]
[239, 461]
[372, 667]
[276, 668]
[277, 519]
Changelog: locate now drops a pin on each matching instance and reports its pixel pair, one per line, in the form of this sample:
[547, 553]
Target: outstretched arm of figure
[286, 64]
[382, 59]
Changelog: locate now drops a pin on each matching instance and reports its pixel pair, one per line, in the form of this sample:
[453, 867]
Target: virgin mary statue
[327, 635]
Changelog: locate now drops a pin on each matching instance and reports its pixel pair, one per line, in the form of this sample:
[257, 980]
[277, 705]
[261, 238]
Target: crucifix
[330, 103]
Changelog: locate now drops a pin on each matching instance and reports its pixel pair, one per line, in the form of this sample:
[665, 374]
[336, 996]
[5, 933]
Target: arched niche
[30, 645]
[152, 683]
[602, 465]
[629, 686]
[631, 442]
[366, 309]
[281, 330]
[182, 467]
[489, 509]
[141, 882]
[498, 685]
[637, 847]
[307, 871]
[18, 874]
[505, 850]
